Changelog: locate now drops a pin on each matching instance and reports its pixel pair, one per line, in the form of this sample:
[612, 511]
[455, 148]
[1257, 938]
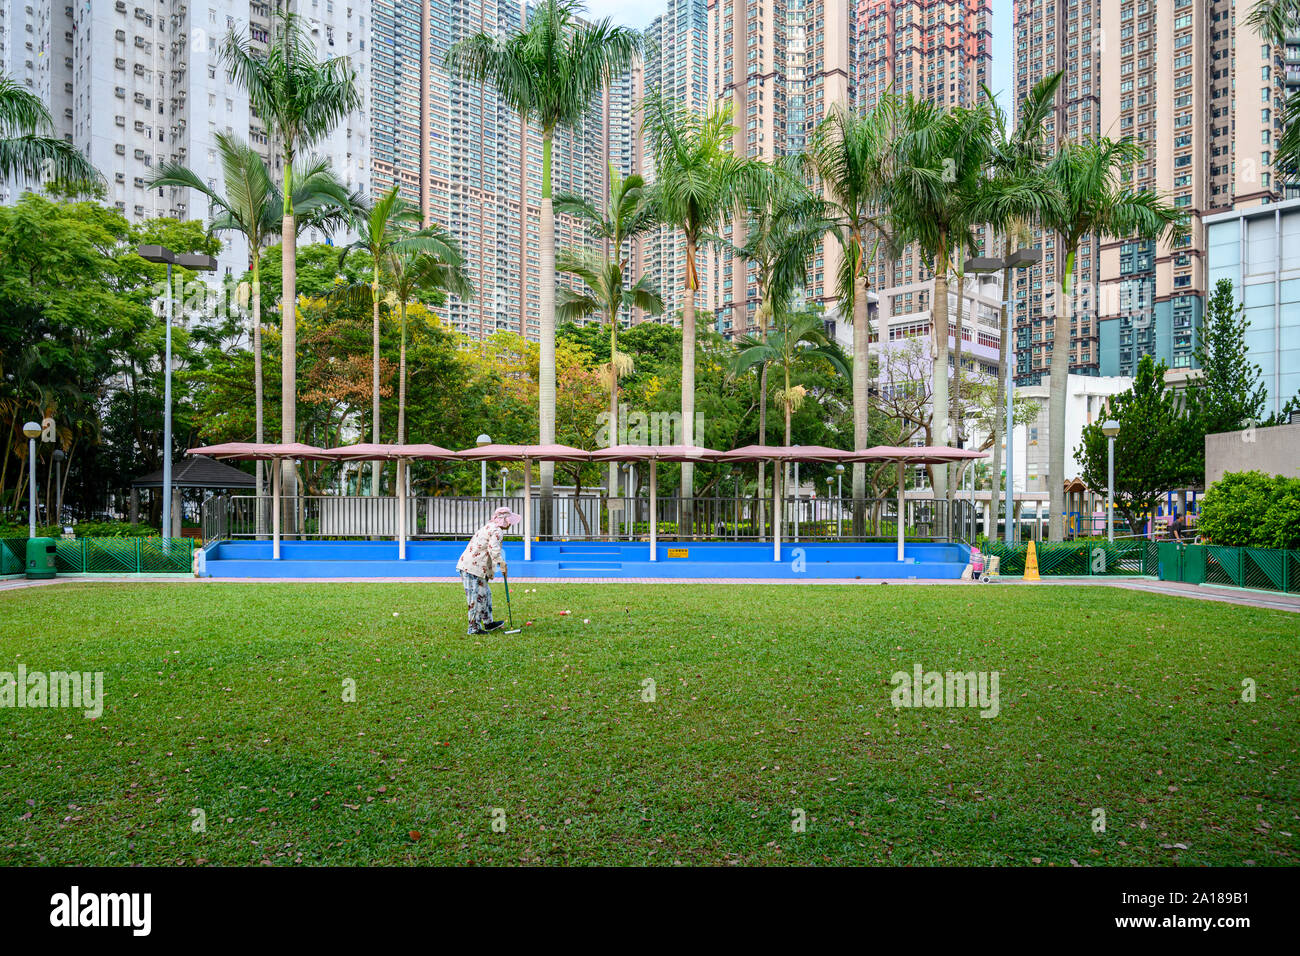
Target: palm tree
[608, 288]
[1013, 197]
[785, 221]
[24, 151]
[1090, 198]
[252, 206]
[382, 230]
[301, 98]
[1276, 21]
[428, 262]
[550, 72]
[938, 164]
[699, 181]
[797, 340]
[852, 157]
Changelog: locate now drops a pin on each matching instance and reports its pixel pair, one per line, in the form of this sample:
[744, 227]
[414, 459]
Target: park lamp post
[1110, 428]
[1020, 259]
[482, 440]
[504, 473]
[33, 431]
[199, 263]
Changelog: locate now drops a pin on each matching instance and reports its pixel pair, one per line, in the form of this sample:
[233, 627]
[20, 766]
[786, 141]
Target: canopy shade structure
[789, 453]
[655, 454]
[527, 454]
[524, 453]
[920, 455]
[403, 455]
[369, 451]
[198, 473]
[253, 451]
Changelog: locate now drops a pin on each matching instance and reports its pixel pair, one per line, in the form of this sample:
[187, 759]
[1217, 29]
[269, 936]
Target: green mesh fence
[1263, 569]
[1078, 558]
[13, 555]
[105, 555]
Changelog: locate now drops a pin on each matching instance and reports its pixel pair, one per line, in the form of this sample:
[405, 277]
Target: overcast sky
[639, 13]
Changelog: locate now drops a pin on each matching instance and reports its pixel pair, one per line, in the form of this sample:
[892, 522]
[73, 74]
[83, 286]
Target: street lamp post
[59, 456]
[200, 263]
[1110, 429]
[33, 431]
[481, 441]
[504, 472]
[1019, 259]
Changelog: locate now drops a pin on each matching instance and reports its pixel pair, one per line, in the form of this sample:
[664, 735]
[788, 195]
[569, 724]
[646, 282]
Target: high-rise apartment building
[675, 68]
[137, 83]
[939, 51]
[782, 64]
[461, 154]
[1202, 92]
[1052, 35]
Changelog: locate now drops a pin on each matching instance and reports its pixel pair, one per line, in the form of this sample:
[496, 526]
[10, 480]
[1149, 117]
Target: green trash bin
[40, 557]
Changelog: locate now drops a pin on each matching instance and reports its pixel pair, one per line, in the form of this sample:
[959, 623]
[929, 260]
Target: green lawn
[228, 698]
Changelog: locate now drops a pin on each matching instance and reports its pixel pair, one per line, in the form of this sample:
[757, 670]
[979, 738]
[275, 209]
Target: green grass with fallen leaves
[769, 700]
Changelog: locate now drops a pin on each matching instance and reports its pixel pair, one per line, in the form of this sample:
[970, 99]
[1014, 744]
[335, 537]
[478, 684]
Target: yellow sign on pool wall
[679, 552]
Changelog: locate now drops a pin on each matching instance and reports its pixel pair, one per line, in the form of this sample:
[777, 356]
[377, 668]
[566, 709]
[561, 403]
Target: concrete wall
[1274, 451]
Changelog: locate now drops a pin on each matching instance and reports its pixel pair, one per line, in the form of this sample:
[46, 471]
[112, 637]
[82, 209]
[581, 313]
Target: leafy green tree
[1155, 448]
[1228, 394]
[302, 99]
[550, 72]
[1090, 196]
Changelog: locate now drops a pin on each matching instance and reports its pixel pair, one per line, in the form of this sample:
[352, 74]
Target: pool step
[591, 566]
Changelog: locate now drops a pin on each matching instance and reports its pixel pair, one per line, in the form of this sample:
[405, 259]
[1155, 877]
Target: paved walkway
[1224, 595]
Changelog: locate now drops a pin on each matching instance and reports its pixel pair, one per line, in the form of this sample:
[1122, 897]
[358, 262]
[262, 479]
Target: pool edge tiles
[594, 559]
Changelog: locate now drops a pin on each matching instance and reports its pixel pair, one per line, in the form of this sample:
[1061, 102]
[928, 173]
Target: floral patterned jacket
[483, 555]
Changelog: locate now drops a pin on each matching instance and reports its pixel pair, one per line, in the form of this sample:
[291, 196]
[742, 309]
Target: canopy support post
[528, 509]
[401, 509]
[902, 510]
[776, 510]
[654, 510]
[276, 480]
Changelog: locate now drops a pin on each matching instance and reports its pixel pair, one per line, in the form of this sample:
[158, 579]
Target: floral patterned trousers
[478, 596]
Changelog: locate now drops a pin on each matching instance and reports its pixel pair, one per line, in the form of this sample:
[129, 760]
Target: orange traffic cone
[1031, 563]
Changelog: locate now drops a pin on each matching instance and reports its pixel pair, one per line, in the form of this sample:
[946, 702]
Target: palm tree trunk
[953, 469]
[762, 440]
[999, 400]
[765, 311]
[401, 381]
[258, 387]
[613, 404]
[546, 336]
[861, 397]
[288, 351]
[688, 383]
[376, 467]
[1060, 373]
[939, 373]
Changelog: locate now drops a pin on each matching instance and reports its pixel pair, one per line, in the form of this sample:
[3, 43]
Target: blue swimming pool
[599, 559]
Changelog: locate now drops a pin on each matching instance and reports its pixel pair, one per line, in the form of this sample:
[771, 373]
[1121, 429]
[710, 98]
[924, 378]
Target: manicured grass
[770, 699]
